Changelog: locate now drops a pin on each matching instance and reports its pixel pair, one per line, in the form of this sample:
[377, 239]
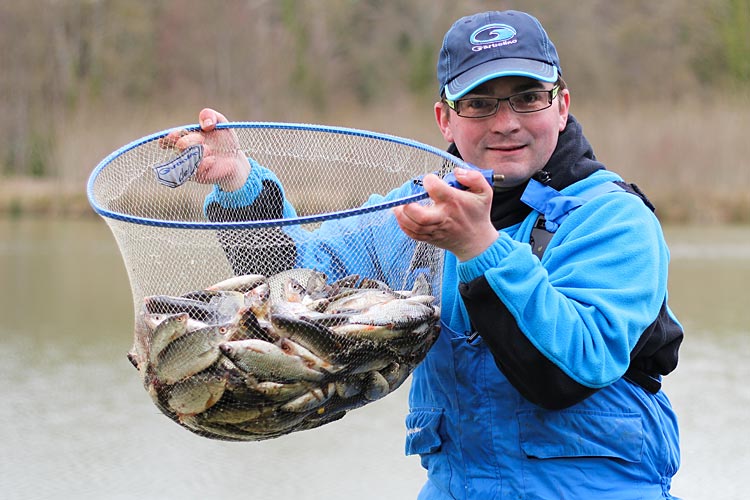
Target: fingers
[181, 139]
[170, 140]
[189, 139]
[208, 118]
[417, 221]
[223, 162]
[438, 189]
[473, 180]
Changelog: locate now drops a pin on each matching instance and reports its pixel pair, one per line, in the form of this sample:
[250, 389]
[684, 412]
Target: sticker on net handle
[178, 170]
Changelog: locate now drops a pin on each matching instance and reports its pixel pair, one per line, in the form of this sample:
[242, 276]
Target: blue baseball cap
[490, 45]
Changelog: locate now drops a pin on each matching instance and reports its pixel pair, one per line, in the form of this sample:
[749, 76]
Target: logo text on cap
[492, 33]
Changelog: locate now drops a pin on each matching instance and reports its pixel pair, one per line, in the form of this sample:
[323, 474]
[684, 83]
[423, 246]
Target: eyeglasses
[523, 102]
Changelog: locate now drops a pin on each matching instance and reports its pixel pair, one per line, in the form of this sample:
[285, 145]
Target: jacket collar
[572, 160]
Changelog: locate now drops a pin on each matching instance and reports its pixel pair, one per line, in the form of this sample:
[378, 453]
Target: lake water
[77, 424]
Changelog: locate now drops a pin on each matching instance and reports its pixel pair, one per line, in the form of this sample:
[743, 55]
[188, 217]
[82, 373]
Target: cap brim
[462, 84]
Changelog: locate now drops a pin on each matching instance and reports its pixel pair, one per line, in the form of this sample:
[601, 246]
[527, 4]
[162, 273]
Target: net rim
[309, 219]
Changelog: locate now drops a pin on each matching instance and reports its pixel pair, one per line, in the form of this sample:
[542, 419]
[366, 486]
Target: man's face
[513, 144]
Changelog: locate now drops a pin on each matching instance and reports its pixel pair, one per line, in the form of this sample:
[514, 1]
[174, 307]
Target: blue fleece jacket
[583, 307]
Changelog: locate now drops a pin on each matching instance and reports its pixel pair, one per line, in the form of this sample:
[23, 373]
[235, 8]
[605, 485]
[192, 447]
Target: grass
[692, 157]
[42, 197]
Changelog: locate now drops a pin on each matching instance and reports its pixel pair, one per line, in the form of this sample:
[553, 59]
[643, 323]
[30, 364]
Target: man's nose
[505, 120]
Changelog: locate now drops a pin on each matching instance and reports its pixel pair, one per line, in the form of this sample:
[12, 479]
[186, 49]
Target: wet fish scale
[189, 354]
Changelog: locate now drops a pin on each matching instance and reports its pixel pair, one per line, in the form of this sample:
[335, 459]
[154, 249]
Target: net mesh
[253, 319]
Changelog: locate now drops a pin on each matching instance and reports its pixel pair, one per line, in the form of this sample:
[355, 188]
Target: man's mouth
[508, 148]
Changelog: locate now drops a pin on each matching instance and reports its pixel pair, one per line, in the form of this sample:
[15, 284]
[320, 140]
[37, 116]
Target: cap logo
[492, 35]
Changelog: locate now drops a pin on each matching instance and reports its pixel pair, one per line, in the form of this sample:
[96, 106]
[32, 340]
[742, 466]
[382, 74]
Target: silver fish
[196, 394]
[308, 357]
[376, 386]
[152, 321]
[348, 387]
[395, 314]
[372, 283]
[359, 300]
[377, 333]
[280, 391]
[310, 400]
[166, 304]
[396, 374]
[215, 430]
[277, 423]
[257, 299]
[322, 341]
[230, 414]
[422, 285]
[267, 360]
[168, 329]
[187, 355]
[242, 283]
[278, 281]
[246, 325]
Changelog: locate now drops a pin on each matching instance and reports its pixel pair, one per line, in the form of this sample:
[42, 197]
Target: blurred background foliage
[662, 87]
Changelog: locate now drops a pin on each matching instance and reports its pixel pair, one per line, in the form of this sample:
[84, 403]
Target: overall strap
[656, 352]
[554, 208]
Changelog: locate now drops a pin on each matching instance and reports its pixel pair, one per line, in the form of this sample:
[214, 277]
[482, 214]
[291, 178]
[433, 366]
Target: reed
[691, 157]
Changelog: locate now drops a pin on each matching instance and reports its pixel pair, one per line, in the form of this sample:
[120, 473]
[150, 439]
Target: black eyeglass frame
[552, 94]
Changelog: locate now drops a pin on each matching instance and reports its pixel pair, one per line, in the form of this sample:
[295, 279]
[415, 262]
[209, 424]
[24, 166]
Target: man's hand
[223, 163]
[458, 220]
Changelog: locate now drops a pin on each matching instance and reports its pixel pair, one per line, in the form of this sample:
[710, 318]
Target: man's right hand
[223, 162]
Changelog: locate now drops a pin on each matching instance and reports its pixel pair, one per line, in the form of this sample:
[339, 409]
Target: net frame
[112, 214]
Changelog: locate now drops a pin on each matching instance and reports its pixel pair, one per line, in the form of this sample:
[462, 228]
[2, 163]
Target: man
[545, 380]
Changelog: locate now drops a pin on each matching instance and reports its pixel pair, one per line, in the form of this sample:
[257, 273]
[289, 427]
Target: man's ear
[442, 117]
[564, 99]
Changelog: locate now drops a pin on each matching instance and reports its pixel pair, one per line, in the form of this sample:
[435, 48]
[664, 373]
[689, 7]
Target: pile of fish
[256, 357]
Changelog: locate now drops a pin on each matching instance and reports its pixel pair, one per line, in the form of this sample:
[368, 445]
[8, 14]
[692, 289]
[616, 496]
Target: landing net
[284, 305]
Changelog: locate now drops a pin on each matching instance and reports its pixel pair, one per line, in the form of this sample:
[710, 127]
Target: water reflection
[77, 424]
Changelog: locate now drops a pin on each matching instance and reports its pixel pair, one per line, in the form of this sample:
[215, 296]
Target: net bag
[282, 305]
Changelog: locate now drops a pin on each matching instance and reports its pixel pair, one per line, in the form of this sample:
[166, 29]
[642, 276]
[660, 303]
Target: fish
[317, 285]
[348, 387]
[395, 314]
[278, 281]
[269, 361]
[308, 357]
[168, 329]
[243, 283]
[215, 430]
[349, 281]
[421, 286]
[318, 339]
[246, 325]
[294, 291]
[372, 283]
[280, 391]
[252, 357]
[165, 304]
[396, 374]
[196, 394]
[310, 400]
[257, 299]
[358, 300]
[377, 333]
[187, 355]
[232, 414]
[275, 423]
[152, 321]
[366, 356]
[376, 386]
[138, 353]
